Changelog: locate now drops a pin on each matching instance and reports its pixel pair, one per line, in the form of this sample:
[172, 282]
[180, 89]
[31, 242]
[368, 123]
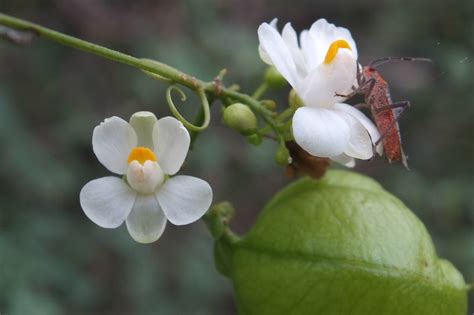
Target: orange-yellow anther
[333, 49]
[141, 154]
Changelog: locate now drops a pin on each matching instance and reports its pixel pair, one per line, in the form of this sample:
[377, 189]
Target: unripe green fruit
[342, 245]
[274, 78]
[240, 118]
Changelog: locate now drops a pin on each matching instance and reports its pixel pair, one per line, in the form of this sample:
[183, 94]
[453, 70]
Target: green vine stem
[160, 70]
[260, 91]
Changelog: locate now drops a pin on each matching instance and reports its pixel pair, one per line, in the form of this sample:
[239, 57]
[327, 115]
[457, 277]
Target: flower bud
[218, 218]
[143, 123]
[255, 139]
[240, 118]
[294, 100]
[269, 104]
[273, 78]
[282, 156]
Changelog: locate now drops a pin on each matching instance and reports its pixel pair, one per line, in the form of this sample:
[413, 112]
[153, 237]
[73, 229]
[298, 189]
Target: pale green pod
[341, 245]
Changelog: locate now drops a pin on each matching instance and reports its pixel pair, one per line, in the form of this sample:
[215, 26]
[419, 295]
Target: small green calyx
[282, 155]
[218, 219]
[273, 78]
[294, 100]
[240, 118]
[254, 139]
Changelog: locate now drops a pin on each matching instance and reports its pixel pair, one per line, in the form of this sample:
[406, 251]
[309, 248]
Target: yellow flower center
[333, 49]
[141, 154]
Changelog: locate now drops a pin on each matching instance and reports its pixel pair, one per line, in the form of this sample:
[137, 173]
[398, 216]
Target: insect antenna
[377, 62]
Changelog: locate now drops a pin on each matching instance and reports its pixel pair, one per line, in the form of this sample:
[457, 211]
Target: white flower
[323, 63]
[147, 151]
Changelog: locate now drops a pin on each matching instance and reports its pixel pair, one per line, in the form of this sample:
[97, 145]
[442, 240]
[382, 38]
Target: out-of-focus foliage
[54, 261]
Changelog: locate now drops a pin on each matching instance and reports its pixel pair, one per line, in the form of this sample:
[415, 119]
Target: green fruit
[342, 245]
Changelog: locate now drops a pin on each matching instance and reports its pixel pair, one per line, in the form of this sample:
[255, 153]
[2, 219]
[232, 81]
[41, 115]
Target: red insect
[385, 112]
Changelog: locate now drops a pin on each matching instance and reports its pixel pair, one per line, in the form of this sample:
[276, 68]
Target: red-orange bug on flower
[385, 112]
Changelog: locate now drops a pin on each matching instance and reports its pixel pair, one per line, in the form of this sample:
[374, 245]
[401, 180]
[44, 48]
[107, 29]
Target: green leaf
[342, 245]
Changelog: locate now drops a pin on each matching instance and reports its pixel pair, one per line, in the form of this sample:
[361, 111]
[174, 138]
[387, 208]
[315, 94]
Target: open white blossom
[322, 63]
[147, 151]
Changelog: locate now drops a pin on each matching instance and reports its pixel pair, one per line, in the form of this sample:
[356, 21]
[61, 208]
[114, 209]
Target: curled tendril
[205, 107]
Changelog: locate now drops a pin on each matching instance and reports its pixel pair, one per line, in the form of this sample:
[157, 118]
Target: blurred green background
[53, 260]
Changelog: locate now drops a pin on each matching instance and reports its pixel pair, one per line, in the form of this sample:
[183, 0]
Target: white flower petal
[291, 40]
[261, 51]
[184, 199]
[277, 52]
[366, 122]
[308, 48]
[147, 221]
[323, 34]
[344, 159]
[320, 131]
[107, 201]
[360, 144]
[171, 141]
[112, 142]
[321, 85]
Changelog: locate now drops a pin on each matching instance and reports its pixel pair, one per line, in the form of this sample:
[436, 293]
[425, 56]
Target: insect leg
[369, 83]
[361, 106]
[359, 75]
[403, 106]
